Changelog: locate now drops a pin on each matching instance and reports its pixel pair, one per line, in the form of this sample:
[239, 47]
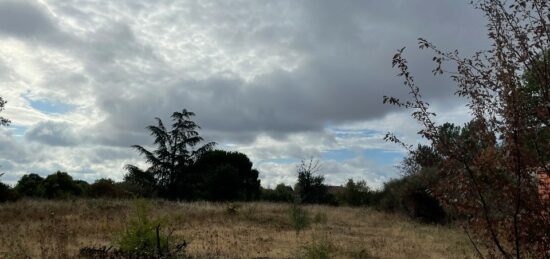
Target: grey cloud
[346, 70]
[53, 133]
[247, 68]
[24, 19]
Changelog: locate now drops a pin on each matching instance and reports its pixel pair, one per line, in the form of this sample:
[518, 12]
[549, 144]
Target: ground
[40, 229]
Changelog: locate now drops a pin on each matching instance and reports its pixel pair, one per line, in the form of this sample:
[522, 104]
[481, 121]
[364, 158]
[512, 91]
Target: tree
[3, 121]
[175, 153]
[105, 188]
[223, 175]
[60, 185]
[355, 193]
[311, 187]
[6, 192]
[487, 168]
[31, 185]
[281, 193]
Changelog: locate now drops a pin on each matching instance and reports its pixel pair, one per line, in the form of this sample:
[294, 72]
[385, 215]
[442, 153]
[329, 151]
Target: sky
[280, 81]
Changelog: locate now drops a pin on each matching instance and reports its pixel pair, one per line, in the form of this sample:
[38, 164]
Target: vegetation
[171, 162]
[487, 168]
[3, 121]
[47, 228]
[310, 188]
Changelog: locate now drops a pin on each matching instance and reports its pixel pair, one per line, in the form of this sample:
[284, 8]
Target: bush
[281, 193]
[141, 236]
[60, 185]
[299, 218]
[410, 195]
[355, 194]
[7, 193]
[106, 188]
[318, 249]
[310, 187]
[30, 185]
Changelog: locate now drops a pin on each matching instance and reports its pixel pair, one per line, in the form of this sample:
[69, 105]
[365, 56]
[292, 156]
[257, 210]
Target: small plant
[317, 250]
[299, 218]
[142, 236]
[232, 209]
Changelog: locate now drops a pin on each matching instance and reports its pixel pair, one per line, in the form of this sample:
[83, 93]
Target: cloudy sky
[278, 80]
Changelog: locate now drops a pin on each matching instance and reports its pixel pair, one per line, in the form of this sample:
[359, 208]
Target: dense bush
[226, 176]
[31, 185]
[355, 194]
[310, 187]
[107, 188]
[281, 193]
[60, 185]
[410, 195]
[7, 193]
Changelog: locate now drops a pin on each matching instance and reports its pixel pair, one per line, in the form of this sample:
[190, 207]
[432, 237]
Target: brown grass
[57, 229]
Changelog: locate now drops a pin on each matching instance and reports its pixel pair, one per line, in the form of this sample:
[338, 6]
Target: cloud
[53, 134]
[276, 80]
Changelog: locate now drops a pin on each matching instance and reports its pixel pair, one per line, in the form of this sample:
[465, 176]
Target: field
[40, 229]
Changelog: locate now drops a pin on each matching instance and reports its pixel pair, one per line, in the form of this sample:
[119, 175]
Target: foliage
[281, 193]
[299, 218]
[226, 176]
[142, 236]
[310, 187]
[7, 193]
[60, 185]
[175, 153]
[106, 188]
[3, 121]
[31, 185]
[355, 194]
[317, 249]
[487, 167]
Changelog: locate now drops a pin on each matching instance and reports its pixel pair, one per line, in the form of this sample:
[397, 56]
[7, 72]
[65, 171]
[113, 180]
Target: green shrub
[318, 249]
[299, 218]
[142, 235]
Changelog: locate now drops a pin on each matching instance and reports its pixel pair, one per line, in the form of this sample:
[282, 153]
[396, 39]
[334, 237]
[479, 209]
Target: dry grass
[42, 229]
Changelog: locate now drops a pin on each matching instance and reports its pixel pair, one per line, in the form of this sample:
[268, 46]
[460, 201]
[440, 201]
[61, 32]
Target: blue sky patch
[51, 107]
[18, 131]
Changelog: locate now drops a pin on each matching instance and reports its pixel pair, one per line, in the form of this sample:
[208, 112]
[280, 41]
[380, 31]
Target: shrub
[355, 194]
[106, 188]
[6, 193]
[281, 193]
[318, 249]
[141, 236]
[60, 185]
[30, 185]
[411, 195]
[299, 218]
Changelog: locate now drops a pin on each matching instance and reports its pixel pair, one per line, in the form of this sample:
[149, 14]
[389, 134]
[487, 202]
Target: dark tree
[310, 187]
[176, 151]
[3, 121]
[105, 188]
[355, 193]
[31, 185]
[226, 176]
[6, 192]
[60, 185]
[281, 193]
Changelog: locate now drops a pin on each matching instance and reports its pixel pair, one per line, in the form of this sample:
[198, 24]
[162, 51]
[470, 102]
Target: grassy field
[39, 229]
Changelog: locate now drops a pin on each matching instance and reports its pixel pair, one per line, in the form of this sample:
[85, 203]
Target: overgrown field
[40, 229]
